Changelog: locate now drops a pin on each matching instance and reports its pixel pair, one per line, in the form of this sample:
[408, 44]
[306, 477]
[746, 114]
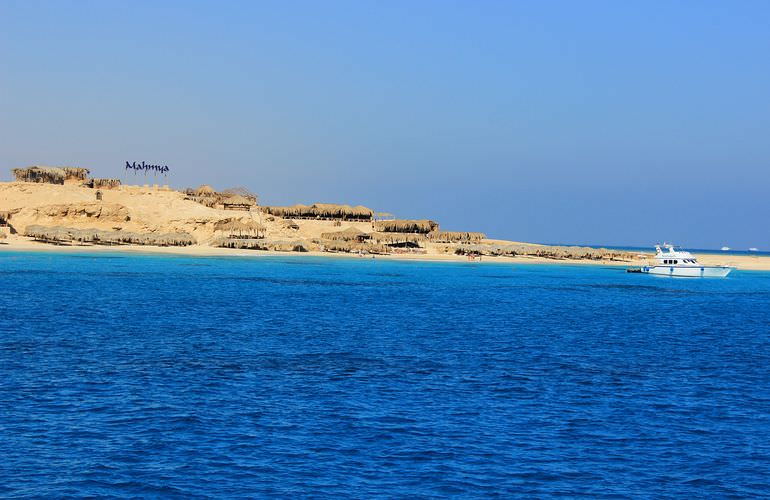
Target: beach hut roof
[237, 200]
[390, 238]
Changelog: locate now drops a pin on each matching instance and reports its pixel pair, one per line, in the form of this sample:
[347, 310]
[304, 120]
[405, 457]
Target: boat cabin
[674, 256]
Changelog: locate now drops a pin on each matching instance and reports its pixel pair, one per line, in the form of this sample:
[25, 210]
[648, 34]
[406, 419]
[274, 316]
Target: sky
[608, 123]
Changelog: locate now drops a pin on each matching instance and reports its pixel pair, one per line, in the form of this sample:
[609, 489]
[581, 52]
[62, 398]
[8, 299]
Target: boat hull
[689, 271]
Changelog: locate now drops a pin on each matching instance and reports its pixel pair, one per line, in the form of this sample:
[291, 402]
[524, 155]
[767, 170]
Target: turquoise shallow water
[126, 375]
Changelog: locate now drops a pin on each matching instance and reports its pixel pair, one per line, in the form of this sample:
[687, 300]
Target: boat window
[676, 262]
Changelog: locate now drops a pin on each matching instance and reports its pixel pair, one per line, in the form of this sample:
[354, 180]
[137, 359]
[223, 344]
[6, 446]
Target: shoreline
[22, 244]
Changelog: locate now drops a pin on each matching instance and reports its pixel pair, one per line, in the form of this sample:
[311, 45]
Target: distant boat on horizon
[725, 249]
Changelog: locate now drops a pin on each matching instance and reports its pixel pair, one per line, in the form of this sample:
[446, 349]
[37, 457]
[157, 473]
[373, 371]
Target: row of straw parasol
[549, 252]
[265, 245]
[355, 234]
[322, 211]
[59, 234]
[206, 195]
[421, 226]
[355, 247]
[455, 237]
[302, 245]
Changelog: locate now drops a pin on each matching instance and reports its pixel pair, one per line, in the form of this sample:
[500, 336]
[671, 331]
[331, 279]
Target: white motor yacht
[677, 262]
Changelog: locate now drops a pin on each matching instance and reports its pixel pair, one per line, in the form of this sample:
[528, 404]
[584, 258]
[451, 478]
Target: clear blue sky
[577, 122]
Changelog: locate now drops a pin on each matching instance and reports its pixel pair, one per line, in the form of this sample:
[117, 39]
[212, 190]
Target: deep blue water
[225, 377]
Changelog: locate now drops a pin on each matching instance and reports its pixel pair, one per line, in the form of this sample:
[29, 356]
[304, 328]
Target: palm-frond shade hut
[289, 224]
[422, 226]
[399, 240]
[240, 228]
[349, 234]
[455, 237]
[328, 211]
[75, 173]
[103, 183]
[237, 202]
[50, 175]
[355, 247]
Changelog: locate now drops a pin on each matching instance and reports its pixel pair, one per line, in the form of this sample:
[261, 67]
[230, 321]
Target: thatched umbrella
[354, 247]
[237, 226]
[204, 190]
[289, 224]
[363, 212]
[349, 234]
[55, 234]
[236, 200]
[85, 235]
[179, 239]
[34, 230]
[297, 210]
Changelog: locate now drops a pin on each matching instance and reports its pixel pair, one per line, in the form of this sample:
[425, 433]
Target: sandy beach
[23, 244]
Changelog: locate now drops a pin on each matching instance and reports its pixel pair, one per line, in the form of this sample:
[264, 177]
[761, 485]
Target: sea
[129, 375]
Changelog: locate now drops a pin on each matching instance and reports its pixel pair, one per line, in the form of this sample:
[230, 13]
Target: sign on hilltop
[144, 167]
